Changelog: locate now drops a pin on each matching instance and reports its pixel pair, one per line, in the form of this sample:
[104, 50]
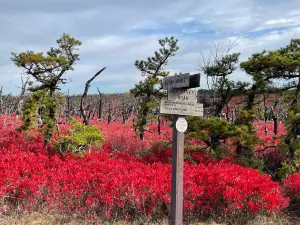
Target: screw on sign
[181, 125]
[181, 101]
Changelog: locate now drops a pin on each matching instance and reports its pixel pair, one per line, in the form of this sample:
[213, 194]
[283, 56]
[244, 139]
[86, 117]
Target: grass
[40, 219]
[55, 219]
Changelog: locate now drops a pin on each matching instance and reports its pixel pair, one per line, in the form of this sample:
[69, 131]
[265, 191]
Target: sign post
[181, 101]
[177, 175]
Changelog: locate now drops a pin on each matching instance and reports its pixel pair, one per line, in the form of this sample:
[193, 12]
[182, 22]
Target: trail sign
[181, 108]
[198, 110]
[184, 80]
[177, 81]
[181, 101]
[182, 95]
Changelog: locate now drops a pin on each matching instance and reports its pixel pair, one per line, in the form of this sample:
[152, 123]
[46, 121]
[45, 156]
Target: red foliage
[268, 141]
[292, 185]
[119, 183]
[122, 137]
[164, 155]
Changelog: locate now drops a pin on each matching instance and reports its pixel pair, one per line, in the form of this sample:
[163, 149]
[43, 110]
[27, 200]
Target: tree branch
[87, 85]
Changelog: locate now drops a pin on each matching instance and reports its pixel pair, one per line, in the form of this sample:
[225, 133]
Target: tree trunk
[89, 115]
[87, 85]
[158, 125]
[68, 105]
[295, 130]
[100, 110]
[266, 130]
[143, 122]
[123, 117]
[142, 135]
[94, 113]
[134, 125]
[251, 97]
[242, 150]
[50, 124]
[215, 142]
[109, 118]
[275, 128]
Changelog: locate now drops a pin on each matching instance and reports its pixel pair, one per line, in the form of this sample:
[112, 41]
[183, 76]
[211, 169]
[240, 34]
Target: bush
[117, 187]
[292, 186]
[120, 185]
[80, 137]
[292, 189]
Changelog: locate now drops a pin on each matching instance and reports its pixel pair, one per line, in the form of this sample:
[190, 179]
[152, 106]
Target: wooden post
[177, 175]
[180, 102]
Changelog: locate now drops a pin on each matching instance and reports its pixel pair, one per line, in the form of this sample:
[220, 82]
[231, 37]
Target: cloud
[116, 33]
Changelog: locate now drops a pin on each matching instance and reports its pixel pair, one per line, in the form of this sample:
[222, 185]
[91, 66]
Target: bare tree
[87, 85]
[216, 67]
[20, 99]
[100, 105]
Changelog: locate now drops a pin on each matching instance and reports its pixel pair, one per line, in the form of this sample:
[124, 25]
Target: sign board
[195, 80]
[182, 95]
[181, 101]
[181, 108]
[181, 125]
[177, 81]
[198, 110]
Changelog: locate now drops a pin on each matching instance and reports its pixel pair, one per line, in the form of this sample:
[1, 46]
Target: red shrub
[292, 185]
[268, 139]
[123, 138]
[119, 183]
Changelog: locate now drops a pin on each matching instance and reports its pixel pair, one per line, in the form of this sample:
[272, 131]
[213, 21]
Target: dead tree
[87, 85]
[109, 113]
[100, 106]
[275, 111]
[266, 114]
[68, 105]
[126, 108]
[20, 99]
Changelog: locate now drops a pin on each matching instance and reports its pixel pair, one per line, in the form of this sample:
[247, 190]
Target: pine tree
[47, 71]
[149, 89]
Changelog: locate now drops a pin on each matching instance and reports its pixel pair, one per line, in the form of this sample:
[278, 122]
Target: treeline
[122, 106]
[110, 107]
[272, 94]
[230, 106]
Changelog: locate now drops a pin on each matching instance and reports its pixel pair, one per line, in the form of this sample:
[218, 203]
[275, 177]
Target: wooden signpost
[181, 101]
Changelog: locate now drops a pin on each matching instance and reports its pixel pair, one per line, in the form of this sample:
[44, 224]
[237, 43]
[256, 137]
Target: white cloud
[117, 33]
[279, 21]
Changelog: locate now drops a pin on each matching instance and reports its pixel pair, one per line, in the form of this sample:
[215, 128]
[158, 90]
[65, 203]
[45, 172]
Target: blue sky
[116, 33]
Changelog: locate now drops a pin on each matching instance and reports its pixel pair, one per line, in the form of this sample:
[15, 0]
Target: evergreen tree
[214, 131]
[47, 70]
[149, 89]
[219, 71]
[281, 65]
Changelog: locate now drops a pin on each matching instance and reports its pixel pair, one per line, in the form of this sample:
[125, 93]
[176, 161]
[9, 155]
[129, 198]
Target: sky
[115, 33]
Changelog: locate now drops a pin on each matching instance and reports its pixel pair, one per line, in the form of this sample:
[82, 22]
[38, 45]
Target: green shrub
[285, 170]
[79, 138]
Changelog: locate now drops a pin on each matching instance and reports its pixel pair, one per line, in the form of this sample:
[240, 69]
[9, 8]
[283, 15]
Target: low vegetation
[111, 161]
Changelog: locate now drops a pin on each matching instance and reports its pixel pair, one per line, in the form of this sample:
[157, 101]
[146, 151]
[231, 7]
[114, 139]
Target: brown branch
[87, 85]
[264, 149]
